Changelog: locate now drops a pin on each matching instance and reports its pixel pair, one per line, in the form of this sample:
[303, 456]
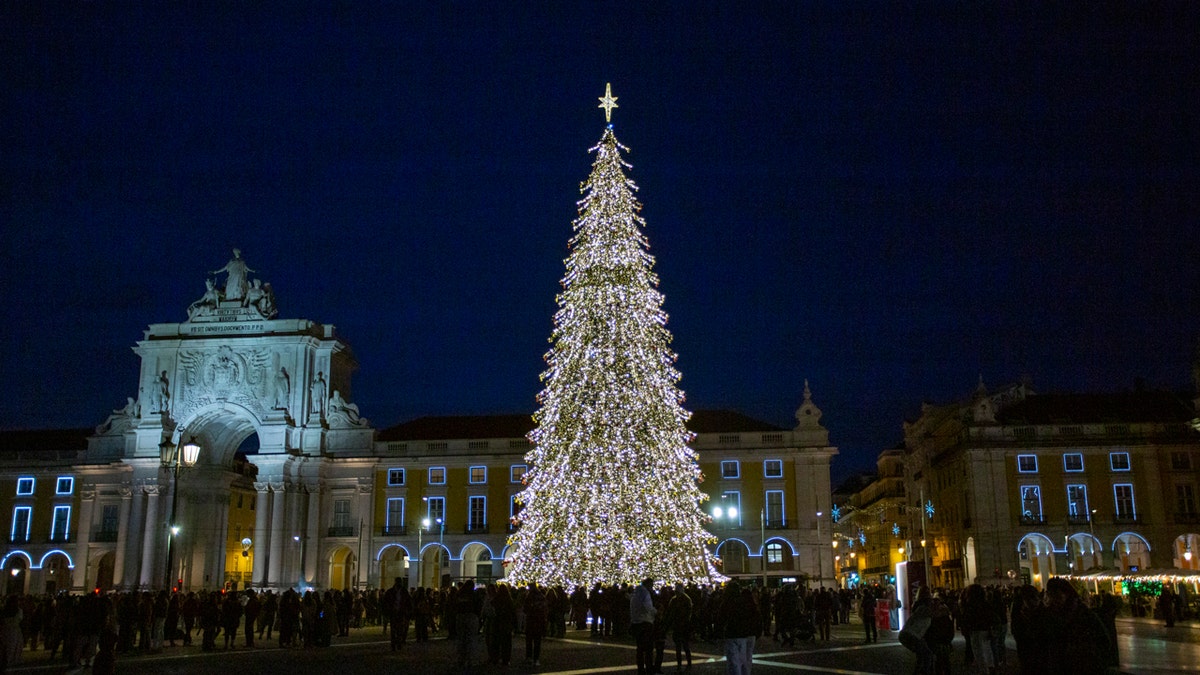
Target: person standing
[678, 620]
[251, 610]
[536, 616]
[739, 624]
[466, 621]
[866, 610]
[641, 619]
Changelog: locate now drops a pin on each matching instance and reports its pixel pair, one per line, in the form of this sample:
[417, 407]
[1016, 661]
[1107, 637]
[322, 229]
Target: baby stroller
[805, 628]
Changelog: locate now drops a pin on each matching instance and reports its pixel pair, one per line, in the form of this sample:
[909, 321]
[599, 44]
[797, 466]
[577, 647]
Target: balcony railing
[1078, 520]
[775, 525]
[19, 539]
[1187, 517]
[1028, 519]
[477, 528]
[341, 531]
[394, 531]
[1126, 519]
[105, 536]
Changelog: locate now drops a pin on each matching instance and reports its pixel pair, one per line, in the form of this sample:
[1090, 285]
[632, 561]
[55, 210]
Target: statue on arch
[343, 413]
[283, 388]
[317, 392]
[206, 303]
[162, 393]
[235, 283]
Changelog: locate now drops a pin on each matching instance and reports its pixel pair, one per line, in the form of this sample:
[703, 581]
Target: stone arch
[477, 562]
[105, 565]
[1131, 550]
[777, 555]
[220, 429]
[393, 562]
[733, 554]
[343, 568]
[16, 566]
[1084, 552]
[1187, 551]
[57, 570]
[1036, 553]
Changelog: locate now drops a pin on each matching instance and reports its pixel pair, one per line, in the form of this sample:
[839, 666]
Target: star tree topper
[608, 102]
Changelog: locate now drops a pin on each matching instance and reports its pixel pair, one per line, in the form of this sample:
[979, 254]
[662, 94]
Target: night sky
[886, 199]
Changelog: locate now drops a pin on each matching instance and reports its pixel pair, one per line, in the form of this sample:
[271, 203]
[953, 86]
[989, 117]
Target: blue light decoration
[929, 509]
[862, 537]
[836, 513]
[895, 529]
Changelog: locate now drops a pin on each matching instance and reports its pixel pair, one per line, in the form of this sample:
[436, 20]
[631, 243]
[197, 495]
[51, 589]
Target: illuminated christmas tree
[612, 491]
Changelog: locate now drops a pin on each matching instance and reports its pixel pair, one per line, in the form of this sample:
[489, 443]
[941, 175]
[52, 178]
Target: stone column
[150, 538]
[277, 537]
[83, 536]
[366, 521]
[122, 536]
[312, 533]
[261, 534]
[220, 552]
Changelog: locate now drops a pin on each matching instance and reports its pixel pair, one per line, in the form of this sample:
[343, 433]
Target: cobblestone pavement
[1146, 647]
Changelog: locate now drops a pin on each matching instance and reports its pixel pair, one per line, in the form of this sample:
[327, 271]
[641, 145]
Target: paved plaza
[1146, 647]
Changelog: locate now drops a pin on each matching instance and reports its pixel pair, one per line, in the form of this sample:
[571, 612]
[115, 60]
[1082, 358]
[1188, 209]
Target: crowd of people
[1055, 630]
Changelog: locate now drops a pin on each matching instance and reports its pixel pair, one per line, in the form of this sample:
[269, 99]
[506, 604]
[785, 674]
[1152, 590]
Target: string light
[612, 490]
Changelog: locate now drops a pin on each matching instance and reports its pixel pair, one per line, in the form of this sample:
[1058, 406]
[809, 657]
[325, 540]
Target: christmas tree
[612, 491]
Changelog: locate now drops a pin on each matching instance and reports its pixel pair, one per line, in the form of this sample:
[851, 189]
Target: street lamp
[420, 555]
[820, 574]
[172, 457]
[730, 514]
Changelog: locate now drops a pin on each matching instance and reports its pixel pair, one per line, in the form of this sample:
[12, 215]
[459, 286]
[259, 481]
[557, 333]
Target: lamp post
[731, 514]
[762, 534]
[820, 575]
[1092, 543]
[420, 555]
[172, 456]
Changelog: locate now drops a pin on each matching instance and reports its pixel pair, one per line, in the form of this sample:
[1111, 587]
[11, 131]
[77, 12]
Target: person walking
[251, 610]
[466, 621]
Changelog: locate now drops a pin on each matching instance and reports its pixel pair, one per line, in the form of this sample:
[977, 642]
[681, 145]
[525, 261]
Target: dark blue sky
[888, 199]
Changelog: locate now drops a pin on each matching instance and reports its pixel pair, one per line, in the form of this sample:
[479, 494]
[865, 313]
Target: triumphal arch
[268, 402]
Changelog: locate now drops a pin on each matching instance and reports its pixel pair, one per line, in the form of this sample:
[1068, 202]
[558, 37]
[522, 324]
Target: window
[774, 514]
[478, 475]
[1123, 501]
[60, 527]
[774, 553]
[110, 518]
[1185, 499]
[1181, 461]
[516, 473]
[1077, 506]
[341, 513]
[729, 469]
[437, 512]
[395, 514]
[24, 487]
[395, 476]
[773, 468]
[1073, 462]
[437, 475]
[65, 486]
[1031, 503]
[1119, 461]
[1027, 463]
[514, 506]
[20, 524]
[477, 513]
